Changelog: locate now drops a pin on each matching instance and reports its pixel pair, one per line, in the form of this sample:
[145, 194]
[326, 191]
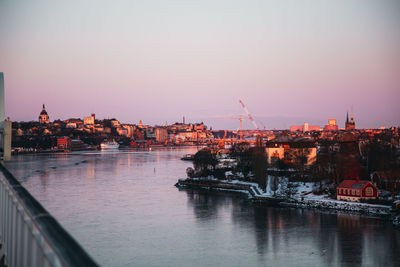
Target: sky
[289, 61]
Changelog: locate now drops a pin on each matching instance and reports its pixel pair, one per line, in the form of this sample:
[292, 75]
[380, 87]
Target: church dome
[44, 112]
[43, 117]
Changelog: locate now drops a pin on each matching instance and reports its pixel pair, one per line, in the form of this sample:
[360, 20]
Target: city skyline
[156, 62]
[288, 122]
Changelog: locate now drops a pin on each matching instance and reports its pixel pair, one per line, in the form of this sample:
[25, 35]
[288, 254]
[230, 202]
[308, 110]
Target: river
[123, 208]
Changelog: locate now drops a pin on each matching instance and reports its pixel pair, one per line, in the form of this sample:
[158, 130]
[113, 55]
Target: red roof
[354, 184]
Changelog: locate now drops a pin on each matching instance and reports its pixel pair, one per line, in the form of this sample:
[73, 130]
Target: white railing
[29, 235]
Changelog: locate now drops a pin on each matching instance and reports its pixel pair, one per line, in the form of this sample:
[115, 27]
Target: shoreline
[302, 201]
[142, 148]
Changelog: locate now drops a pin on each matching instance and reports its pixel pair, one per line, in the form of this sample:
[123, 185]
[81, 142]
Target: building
[356, 190]
[291, 150]
[199, 127]
[63, 143]
[73, 120]
[71, 125]
[304, 128]
[89, 120]
[150, 134]
[350, 124]
[143, 126]
[138, 134]
[331, 126]
[296, 128]
[115, 123]
[130, 129]
[43, 117]
[98, 128]
[161, 134]
[77, 144]
[122, 131]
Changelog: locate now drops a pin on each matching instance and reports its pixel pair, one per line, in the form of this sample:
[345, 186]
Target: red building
[354, 190]
[63, 143]
[331, 126]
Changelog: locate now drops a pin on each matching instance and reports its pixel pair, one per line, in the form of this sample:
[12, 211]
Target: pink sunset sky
[156, 61]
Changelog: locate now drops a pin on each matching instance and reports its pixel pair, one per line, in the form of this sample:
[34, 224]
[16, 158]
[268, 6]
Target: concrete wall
[5, 126]
[2, 108]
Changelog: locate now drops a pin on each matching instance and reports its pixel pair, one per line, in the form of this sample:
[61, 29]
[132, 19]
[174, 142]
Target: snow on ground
[341, 205]
[280, 186]
[302, 196]
[396, 221]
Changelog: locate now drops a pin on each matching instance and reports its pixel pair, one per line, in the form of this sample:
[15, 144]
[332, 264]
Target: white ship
[109, 145]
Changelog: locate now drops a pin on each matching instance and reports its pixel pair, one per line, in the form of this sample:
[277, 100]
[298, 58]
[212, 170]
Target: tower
[5, 127]
[43, 117]
[352, 117]
[350, 125]
[2, 114]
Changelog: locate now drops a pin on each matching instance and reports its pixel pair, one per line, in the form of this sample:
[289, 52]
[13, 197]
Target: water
[125, 211]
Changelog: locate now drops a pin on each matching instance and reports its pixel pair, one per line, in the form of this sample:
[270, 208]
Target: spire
[352, 116]
[43, 106]
[347, 117]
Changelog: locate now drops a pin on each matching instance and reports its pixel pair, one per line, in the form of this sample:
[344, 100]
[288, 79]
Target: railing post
[27, 241]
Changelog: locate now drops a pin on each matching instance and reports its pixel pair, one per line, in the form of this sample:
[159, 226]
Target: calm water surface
[123, 208]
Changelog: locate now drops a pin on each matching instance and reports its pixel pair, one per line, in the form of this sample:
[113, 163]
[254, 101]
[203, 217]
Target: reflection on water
[123, 208]
[321, 238]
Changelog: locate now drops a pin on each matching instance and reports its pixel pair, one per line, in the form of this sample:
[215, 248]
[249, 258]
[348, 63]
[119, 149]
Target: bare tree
[241, 152]
[274, 183]
[204, 162]
[259, 160]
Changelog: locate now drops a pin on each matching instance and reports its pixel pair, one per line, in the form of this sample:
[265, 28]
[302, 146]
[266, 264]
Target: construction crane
[240, 118]
[248, 115]
[251, 119]
[221, 144]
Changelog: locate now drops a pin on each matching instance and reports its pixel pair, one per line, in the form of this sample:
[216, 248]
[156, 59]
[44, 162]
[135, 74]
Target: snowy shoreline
[302, 196]
[363, 208]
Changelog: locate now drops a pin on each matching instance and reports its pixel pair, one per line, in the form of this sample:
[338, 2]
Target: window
[358, 192]
[369, 191]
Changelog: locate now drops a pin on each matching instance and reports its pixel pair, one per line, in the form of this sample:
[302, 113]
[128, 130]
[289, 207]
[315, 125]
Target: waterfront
[123, 208]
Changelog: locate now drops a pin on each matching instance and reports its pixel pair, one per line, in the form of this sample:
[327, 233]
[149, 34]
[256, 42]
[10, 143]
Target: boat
[109, 145]
[189, 157]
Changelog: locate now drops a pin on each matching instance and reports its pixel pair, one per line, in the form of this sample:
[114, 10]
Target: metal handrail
[30, 235]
